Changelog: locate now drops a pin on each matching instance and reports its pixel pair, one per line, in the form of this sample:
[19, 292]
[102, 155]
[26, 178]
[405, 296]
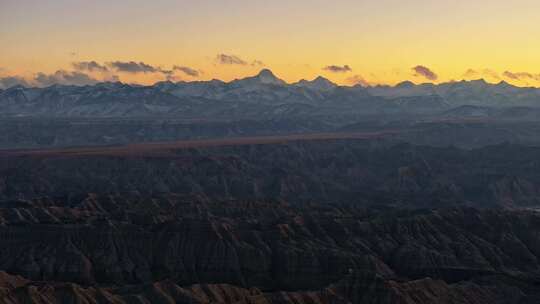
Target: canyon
[320, 219]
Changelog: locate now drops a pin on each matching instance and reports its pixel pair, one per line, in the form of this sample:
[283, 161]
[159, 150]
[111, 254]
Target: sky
[347, 41]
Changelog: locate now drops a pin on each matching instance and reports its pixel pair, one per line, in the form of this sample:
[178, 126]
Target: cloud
[338, 69]
[166, 72]
[112, 78]
[235, 60]
[357, 80]
[187, 70]
[422, 71]
[522, 76]
[134, 67]
[11, 81]
[471, 73]
[257, 63]
[90, 66]
[491, 73]
[230, 59]
[64, 77]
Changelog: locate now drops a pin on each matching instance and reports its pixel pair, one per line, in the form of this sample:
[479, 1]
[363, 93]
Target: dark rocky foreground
[298, 221]
[367, 172]
[178, 249]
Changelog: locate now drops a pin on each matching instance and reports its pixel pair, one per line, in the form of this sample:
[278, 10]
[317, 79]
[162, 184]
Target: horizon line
[285, 82]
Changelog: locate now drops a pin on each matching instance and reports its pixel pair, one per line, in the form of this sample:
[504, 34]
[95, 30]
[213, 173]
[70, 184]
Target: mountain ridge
[268, 76]
[260, 94]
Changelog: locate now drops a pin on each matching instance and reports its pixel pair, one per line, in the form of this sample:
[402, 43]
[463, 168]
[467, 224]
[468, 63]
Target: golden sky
[381, 41]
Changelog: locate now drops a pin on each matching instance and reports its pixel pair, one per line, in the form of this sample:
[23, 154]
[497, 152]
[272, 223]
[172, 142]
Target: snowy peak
[266, 76]
[266, 73]
[478, 83]
[17, 87]
[320, 83]
[405, 85]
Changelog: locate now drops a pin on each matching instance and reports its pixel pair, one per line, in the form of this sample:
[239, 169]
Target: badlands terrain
[259, 191]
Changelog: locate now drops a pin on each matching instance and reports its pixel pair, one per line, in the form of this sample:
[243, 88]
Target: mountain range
[257, 191]
[261, 95]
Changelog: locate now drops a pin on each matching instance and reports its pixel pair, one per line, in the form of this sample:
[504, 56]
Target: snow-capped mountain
[259, 95]
[264, 78]
[475, 92]
[264, 87]
[320, 84]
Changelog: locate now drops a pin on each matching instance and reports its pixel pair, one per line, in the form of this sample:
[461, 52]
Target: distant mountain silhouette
[259, 93]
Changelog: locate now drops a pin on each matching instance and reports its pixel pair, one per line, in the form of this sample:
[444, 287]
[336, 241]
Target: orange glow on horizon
[380, 40]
